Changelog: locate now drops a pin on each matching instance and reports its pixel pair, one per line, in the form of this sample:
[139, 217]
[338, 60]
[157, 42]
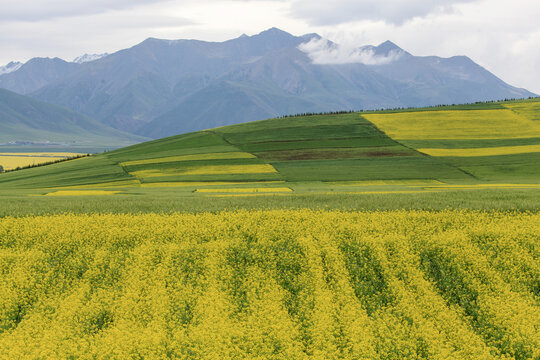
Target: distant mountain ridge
[26, 120]
[11, 67]
[164, 87]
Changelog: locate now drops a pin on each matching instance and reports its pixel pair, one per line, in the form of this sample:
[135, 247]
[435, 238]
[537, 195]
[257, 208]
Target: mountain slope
[35, 74]
[156, 73]
[25, 119]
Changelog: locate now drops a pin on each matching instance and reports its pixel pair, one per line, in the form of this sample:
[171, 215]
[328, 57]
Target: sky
[502, 36]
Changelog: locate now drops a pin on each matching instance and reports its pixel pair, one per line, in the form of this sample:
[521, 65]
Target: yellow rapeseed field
[529, 110]
[488, 151]
[208, 170]
[82, 193]
[11, 161]
[283, 284]
[457, 125]
[246, 190]
[206, 183]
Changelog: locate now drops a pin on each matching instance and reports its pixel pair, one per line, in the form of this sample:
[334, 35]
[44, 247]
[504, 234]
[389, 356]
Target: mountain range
[164, 87]
[29, 121]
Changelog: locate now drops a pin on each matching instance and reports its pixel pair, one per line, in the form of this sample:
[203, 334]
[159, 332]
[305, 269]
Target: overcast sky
[501, 35]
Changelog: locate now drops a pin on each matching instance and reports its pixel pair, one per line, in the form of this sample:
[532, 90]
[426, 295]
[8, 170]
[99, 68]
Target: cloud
[39, 10]
[390, 11]
[324, 52]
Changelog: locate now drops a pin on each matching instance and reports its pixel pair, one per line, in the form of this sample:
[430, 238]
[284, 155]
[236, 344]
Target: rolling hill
[490, 145]
[161, 88]
[26, 120]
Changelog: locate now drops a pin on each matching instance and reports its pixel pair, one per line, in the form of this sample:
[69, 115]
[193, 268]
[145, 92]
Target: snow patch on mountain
[88, 57]
[11, 67]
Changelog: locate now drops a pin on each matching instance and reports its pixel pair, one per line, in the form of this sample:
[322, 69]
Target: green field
[489, 150]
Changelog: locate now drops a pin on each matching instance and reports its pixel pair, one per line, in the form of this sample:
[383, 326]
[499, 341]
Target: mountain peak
[274, 32]
[386, 47]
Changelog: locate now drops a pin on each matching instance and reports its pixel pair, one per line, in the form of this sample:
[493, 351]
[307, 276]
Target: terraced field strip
[208, 170]
[111, 184]
[180, 158]
[487, 151]
[208, 183]
[413, 182]
[82, 193]
[247, 194]
[246, 190]
[11, 161]
[486, 186]
[470, 124]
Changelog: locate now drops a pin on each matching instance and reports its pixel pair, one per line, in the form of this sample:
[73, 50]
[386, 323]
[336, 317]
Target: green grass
[183, 200]
[308, 154]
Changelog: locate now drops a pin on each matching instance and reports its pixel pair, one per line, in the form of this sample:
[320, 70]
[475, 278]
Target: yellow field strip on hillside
[247, 194]
[208, 170]
[530, 110]
[489, 151]
[180, 158]
[455, 125]
[202, 183]
[384, 182]
[44, 154]
[246, 190]
[11, 161]
[379, 192]
[486, 186]
[82, 193]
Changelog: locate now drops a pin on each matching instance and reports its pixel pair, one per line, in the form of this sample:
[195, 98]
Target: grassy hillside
[418, 151]
[23, 119]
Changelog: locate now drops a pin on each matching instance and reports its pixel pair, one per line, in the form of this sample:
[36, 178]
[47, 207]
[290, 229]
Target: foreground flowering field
[274, 284]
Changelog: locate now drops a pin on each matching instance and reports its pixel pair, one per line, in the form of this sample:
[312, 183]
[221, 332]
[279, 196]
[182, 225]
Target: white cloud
[323, 52]
[39, 10]
[391, 11]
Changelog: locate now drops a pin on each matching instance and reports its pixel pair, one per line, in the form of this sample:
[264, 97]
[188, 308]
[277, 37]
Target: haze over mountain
[27, 120]
[11, 67]
[164, 87]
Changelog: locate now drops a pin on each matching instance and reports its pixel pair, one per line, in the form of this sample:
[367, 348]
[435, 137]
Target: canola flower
[455, 124]
[530, 110]
[246, 190]
[208, 170]
[281, 284]
[11, 161]
[82, 193]
[205, 183]
[488, 151]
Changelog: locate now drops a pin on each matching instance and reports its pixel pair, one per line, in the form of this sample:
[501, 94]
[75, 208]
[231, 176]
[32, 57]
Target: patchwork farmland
[483, 146]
